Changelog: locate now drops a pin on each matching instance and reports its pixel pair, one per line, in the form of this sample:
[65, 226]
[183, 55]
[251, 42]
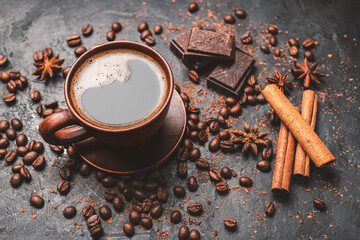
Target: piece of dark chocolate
[229, 78]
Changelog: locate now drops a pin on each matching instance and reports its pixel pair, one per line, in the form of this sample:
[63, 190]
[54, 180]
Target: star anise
[307, 73]
[48, 67]
[280, 82]
[251, 139]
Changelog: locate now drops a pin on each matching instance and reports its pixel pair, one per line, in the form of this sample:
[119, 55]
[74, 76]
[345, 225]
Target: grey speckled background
[28, 25]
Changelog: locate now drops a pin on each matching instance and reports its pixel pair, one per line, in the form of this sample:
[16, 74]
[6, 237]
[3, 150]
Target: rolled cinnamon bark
[301, 130]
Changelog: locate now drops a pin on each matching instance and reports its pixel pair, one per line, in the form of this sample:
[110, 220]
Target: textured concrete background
[28, 25]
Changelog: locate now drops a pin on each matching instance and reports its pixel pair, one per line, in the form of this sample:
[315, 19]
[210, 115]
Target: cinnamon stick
[308, 112]
[301, 130]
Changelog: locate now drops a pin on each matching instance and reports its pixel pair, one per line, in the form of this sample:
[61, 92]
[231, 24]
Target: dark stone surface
[27, 26]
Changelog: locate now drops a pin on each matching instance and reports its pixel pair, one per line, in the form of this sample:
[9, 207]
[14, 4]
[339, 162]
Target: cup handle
[62, 128]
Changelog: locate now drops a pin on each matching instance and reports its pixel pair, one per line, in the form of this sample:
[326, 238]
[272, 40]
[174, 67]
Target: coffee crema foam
[104, 69]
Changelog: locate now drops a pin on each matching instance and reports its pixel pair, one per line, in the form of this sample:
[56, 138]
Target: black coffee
[118, 88]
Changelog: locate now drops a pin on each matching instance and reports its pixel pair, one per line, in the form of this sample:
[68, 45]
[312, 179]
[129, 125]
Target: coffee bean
[47, 112]
[65, 173]
[193, 76]
[3, 153]
[230, 101]
[235, 110]
[39, 109]
[16, 168]
[10, 134]
[239, 13]
[184, 97]
[134, 217]
[224, 111]
[117, 204]
[230, 223]
[179, 191]
[222, 187]
[191, 125]
[36, 201]
[10, 157]
[245, 182]
[175, 217]
[193, 110]
[80, 51]
[227, 146]
[277, 52]
[15, 180]
[226, 172]
[23, 80]
[140, 195]
[85, 169]
[14, 74]
[3, 60]
[194, 135]
[162, 194]
[88, 211]
[97, 231]
[128, 229]
[87, 29]
[107, 181]
[246, 38]
[48, 52]
[194, 154]
[21, 140]
[150, 40]
[65, 71]
[146, 222]
[9, 98]
[63, 187]
[319, 204]
[260, 98]
[267, 153]
[263, 166]
[192, 184]
[214, 127]
[203, 136]
[273, 41]
[93, 221]
[293, 51]
[183, 233]
[251, 99]
[11, 86]
[193, 7]
[265, 49]
[4, 77]
[151, 186]
[224, 135]
[309, 55]
[269, 208]
[38, 147]
[272, 29]
[158, 29]
[194, 235]
[202, 164]
[25, 174]
[194, 117]
[156, 211]
[143, 26]
[69, 212]
[73, 40]
[30, 157]
[230, 19]
[116, 27]
[145, 34]
[19, 84]
[4, 143]
[308, 43]
[195, 209]
[105, 212]
[293, 42]
[214, 144]
[110, 35]
[39, 162]
[35, 95]
[201, 125]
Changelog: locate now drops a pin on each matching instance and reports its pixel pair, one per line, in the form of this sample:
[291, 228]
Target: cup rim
[96, 49]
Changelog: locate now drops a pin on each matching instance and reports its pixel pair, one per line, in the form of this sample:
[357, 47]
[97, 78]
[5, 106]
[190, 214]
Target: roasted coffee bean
[48, 52]
[88, 211]
[109, 195]
[162, 194]
[56, 148]
[24, 80]
[156, 211]
[293, 42]
[128, 193]
[183, 233]
[105, 212]
[210, 120]
[230, 101]
[194, 135]
[263, 166]
[80, 51]
[249, 90]
[192, 184]
[10, 157]
[15, 180]
[260, 98]
[39, 109]
[140, 195]
[99, 175]
[65, 71]
[122, 185]
[96, 231]
[267, 153]
[251, 99]
[65, 173]
[129, 229]
[35, 95]
[227, 146]
[19, 84]
[21, 140]
[235, 110]
[193, 109]
[150, 40]
[151, 186]
[319, 204]
[72, 163]
[193, 76]
[228, 18]
[214, 144]
[38, 147]
[4, 143]
[222, 187]
[201, 125]
[277, 52]
[194, 117]
[4, 77]
[146, 222]
[3, 60]
[10, 134]
[239, 13]
[69, 212]
[134, 217]
[215, 175]
[63, 187]
[84, 169]
[269, 208]
[39, 162]
[31, 145]
[251, 81]
[293, 51]
[146, 206]
[230, 223]
[143, 26]
[175, 217]
[195, 209]
[274, 118]
[184, 97]
[194, 154]
[158, 29]
[194, 235]
[110, 35]
[308, 43]
[9, 98]
[272, 29]
[30, 157]
[179, 191]
[73, 40]
[257, 89]
[193, 7]
[246, 38]
[107, 181]
[245, 182]
[224, 135]
[93, 221]
[224, 111]
[116, 27]
[202, 164]
[25, 174]
[182, 154]
[16, 168]
[145, 34]
[14, 74]
[191, 125]
[117, 204]
[265, 49]
[226, 172]
[273, 41]
[11, 86]
[214, 127]
[309, 55]
[87, 29]
[3, 153]
[36, 201]
[203, 136]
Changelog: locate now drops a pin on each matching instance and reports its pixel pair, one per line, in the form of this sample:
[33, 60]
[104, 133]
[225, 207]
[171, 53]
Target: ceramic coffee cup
[68, 126]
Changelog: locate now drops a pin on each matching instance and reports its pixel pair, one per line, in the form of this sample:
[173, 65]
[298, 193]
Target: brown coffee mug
[68, 126]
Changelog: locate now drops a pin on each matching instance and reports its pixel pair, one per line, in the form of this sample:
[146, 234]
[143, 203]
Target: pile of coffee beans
[146, 34]
[14, 81]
